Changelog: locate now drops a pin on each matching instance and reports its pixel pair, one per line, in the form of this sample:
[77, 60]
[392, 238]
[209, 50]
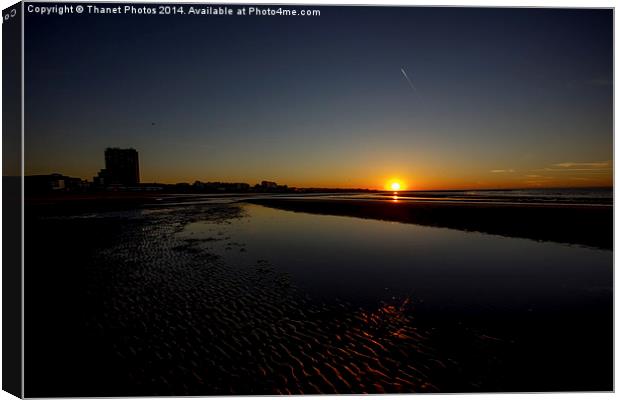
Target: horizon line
[356, 188]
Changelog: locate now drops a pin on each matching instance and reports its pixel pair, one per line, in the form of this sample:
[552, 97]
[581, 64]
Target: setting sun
[394, 184]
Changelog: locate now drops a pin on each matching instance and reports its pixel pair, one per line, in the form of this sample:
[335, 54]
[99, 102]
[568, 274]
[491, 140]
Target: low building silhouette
[268, 185]
[213, 187]
[53, 183]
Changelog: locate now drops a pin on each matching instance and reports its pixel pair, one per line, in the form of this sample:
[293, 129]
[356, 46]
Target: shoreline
[571, 224]
[578, 224]
[252, 328]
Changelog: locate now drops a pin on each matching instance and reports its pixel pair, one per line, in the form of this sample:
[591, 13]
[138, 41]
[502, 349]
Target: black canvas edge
[12, 124]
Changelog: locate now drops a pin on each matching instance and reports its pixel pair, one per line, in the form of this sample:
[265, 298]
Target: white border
[479, 3]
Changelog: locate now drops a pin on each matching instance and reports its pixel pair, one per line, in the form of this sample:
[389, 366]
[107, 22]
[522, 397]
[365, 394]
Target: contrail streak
[407, 78]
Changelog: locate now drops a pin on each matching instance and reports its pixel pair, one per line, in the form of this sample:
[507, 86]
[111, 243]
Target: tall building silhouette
[121, 167]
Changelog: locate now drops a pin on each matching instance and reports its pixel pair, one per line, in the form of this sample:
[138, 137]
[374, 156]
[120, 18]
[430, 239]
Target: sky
[492, 98]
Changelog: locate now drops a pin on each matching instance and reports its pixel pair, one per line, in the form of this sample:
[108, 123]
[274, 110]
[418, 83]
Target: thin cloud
[502, 171]
[588, 170]
[537, 182]
[598, 167]
[602, 164]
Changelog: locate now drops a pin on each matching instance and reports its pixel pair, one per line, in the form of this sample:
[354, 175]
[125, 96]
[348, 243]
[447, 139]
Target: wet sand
[587, 225]
[119, 304]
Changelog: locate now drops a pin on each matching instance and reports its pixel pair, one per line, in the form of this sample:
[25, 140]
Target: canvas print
[238, 199]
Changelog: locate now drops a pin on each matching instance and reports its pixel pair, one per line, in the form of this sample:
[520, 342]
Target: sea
[594, 196]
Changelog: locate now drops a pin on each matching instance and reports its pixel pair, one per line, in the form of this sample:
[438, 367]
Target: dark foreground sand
[118, 303]
[575, 224]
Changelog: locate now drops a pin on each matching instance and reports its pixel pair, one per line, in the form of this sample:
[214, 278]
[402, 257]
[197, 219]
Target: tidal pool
[365, 261]
[552, 302]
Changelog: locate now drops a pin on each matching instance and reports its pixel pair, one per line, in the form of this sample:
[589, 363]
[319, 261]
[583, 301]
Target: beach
[181, 323]
[144, 295]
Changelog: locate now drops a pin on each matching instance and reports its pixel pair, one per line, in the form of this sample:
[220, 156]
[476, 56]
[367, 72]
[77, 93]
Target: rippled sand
[169, 318]
[183, 323]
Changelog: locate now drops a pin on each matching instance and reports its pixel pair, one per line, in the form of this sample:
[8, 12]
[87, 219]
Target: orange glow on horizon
[414, 180]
